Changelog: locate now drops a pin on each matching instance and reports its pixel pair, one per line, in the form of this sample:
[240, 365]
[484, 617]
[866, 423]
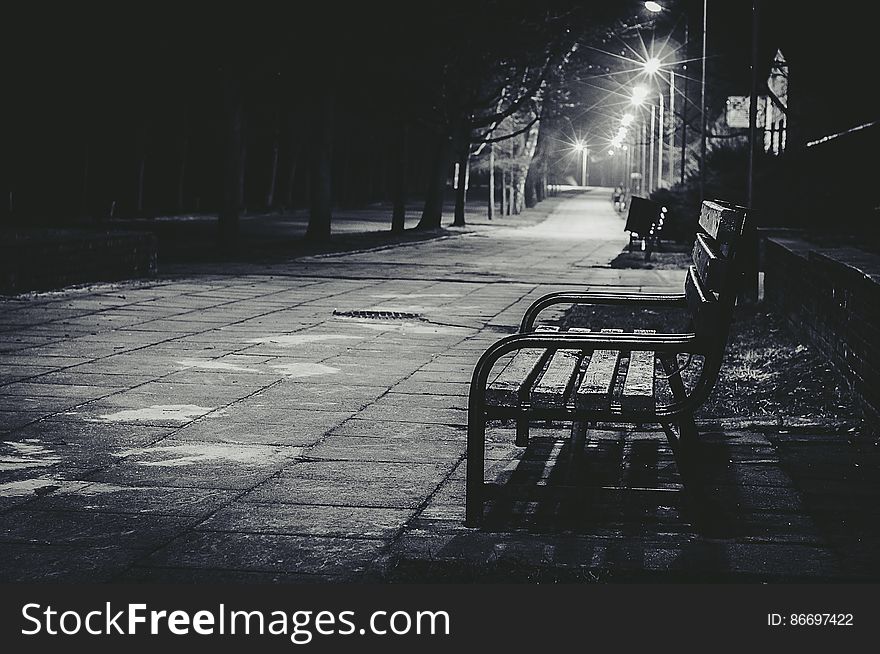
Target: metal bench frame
[710, 323]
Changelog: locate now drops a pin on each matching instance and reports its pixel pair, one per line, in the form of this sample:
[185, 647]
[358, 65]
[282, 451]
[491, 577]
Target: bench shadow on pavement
[619, 512]
[617, 485]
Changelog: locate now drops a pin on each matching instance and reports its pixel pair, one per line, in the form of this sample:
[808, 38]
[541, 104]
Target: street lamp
[639, 93]
[656, 7]
[653, 68]
[585, 152]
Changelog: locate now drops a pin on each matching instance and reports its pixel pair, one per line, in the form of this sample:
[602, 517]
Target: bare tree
[233, 164]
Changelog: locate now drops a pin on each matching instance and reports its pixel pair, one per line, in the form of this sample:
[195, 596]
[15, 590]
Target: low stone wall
[42, 259]
[831, 296]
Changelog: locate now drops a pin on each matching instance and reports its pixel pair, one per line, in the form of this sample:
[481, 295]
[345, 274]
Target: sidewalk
[235, 425]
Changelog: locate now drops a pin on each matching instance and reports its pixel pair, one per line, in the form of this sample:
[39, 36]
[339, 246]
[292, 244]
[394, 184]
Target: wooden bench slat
[514, 380]
[551, 388]
[663, 395]
[594, 390]
[701, 302]
[638, 387]
[708, 262]
[723, 223]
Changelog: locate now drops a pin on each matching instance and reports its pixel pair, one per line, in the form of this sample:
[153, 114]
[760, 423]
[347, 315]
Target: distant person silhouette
[617, 197]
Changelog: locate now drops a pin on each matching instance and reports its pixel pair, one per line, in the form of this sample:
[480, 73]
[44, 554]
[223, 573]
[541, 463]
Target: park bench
[644, 222]
[615, 375]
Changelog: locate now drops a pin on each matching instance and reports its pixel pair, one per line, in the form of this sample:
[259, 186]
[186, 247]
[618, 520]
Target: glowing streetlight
[627, 119]
[652, 65]
[639, 94]
[653, 7]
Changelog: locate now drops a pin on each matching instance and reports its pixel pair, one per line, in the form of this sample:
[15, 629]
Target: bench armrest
[672, 301]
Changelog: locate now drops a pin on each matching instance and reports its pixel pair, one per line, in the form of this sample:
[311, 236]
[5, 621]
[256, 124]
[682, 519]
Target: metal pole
[671, 128]
[651, 152]
[684, 108]
[643, 170]
[584, 167]
[587, 163]
[660, 144]
[491, 208]
[703, 121]
[753, 104]
[750, 288]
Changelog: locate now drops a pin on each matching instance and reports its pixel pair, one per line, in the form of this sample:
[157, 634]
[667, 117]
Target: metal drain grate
[378, 315]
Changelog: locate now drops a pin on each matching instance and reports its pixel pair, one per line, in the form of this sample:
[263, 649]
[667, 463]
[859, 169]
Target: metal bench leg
[688, 436]
[578, 437]
[476, 456]
[522, 431]
[687, 430]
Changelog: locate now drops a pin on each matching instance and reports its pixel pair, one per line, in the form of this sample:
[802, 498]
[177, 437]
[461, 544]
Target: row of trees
[142, 115]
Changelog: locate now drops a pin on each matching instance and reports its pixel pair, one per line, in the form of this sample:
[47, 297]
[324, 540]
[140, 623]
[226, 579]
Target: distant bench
[617, 374]
[644, 222]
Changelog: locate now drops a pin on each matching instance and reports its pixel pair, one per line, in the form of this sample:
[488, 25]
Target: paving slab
[269, 553]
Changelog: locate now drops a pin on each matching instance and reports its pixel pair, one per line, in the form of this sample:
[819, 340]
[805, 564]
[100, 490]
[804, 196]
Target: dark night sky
[115, 69]
[831, 46]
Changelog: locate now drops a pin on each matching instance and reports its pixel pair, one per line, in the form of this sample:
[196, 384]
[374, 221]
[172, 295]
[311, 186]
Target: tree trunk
[523, 163]
[273, 164]
[321, 163]
[232, 162]
[242, 200]
[140, 168]
[518, 193]
[181, 171]
[432, 212]
[531, 196]
[398, 215]
[537, 172]
[294, 145]
[85, 180]
[511, 176]
[461, 191]
[491, 207]
[503, 191]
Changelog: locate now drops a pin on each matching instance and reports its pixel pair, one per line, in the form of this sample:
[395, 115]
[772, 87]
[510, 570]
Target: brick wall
[51, 258]
[831, 296]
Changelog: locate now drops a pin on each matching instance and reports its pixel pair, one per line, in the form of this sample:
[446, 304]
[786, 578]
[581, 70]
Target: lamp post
[585, 153]
[653, 67]
[656, 7]
[651, 152]
[660, 134]
[639, 94]
[672, 126]
[703, 121]
[584, 164]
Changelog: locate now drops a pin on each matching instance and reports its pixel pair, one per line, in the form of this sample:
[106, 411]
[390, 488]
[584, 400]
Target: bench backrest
[713, 281]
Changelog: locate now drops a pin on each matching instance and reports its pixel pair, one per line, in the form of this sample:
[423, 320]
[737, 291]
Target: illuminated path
[234, 426]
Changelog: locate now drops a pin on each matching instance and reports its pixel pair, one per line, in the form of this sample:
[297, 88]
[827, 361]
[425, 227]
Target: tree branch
[523, 130]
